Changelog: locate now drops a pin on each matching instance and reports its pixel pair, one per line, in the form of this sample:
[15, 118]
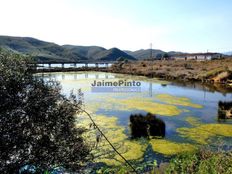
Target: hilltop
[42, 51]
[48, 51]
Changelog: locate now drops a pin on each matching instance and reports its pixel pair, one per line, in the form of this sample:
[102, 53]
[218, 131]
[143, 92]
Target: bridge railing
[63, 65]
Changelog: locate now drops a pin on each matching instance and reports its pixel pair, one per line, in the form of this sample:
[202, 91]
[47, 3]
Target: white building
[197, 56]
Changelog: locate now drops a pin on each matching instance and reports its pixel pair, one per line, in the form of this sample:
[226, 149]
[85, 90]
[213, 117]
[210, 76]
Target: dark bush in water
[145, 126]
[224, 110]
[138, 125]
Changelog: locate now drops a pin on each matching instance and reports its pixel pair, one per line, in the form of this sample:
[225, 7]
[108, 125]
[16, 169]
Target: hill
[146, 54]
[47, 51]
[113, 54]
[229, 53]
[39, 50]
[85, 51]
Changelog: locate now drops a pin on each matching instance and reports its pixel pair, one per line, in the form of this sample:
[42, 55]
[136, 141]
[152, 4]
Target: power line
[96, 126]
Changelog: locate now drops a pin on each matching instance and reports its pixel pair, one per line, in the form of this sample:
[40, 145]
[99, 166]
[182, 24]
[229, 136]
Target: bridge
[73, 64]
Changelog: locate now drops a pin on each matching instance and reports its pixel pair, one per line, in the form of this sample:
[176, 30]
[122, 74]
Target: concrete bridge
[74, 64]
[75, 76]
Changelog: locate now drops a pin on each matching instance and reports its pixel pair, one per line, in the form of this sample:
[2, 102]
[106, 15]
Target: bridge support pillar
[62, 65]
[96, 65]
[86, 65]
[86, 75]
[49, 65]
[75, 65]
[35, 66]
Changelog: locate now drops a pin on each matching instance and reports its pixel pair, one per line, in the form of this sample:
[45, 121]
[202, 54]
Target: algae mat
[189, 114]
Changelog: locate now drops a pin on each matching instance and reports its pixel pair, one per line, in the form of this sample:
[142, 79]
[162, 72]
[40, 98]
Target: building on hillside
[197, 56]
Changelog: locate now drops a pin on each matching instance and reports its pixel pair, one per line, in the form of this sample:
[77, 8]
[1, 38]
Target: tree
[166, 56]
[37, 123]
[159, 56]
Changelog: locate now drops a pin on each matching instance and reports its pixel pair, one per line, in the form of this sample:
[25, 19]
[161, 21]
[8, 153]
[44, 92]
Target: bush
[203, 161]
[146, 126]
[37, 123]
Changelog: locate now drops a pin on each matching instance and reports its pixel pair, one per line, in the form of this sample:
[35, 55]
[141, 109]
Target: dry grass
[179, 69]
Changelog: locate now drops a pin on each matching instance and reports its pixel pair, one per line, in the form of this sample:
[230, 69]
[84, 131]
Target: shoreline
[207, 72]
[216, 75]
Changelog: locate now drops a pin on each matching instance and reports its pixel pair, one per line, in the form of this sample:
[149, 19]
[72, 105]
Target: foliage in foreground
[203, 161]
[37, 123]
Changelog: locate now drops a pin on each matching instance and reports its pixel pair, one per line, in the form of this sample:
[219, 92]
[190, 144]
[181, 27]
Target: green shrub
[37, 123]
[202, 162]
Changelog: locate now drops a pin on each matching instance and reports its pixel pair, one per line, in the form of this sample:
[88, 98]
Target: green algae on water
[167, 147]
[182, 101]
[131, 104]
[193, 121]
[103, 152]
[202, 133]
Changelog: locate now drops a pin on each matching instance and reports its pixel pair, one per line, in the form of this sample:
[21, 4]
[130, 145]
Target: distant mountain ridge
[145, 54]
[85, 51]
[39, 50]
[48, 51]
[229, 53]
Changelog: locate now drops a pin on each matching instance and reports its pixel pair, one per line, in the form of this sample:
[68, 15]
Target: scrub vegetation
[37, 124]
[213, 71]
[203, 161]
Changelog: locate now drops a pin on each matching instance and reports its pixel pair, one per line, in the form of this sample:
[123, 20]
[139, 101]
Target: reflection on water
[188, 113]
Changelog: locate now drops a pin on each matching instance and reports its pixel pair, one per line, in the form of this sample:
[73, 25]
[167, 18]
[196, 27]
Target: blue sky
[170, 25]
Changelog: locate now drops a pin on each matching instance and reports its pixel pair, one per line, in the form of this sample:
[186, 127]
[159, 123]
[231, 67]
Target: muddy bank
[214, 71]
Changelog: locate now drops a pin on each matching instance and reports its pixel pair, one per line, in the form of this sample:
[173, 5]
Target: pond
[190, 115]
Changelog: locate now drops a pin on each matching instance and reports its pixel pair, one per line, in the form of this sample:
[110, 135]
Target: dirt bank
[213, 71]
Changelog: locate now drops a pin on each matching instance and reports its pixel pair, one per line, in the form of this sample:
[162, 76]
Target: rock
[222, 77]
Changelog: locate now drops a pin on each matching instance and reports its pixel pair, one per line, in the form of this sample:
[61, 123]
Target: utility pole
[150, 85]
[151, 51]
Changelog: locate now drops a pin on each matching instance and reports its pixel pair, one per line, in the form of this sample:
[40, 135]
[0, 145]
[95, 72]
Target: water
[189, 114]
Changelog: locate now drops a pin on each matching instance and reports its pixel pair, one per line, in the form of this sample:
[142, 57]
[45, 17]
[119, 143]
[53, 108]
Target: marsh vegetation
[213, 71]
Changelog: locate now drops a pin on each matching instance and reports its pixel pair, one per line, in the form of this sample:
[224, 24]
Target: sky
[170, 25]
